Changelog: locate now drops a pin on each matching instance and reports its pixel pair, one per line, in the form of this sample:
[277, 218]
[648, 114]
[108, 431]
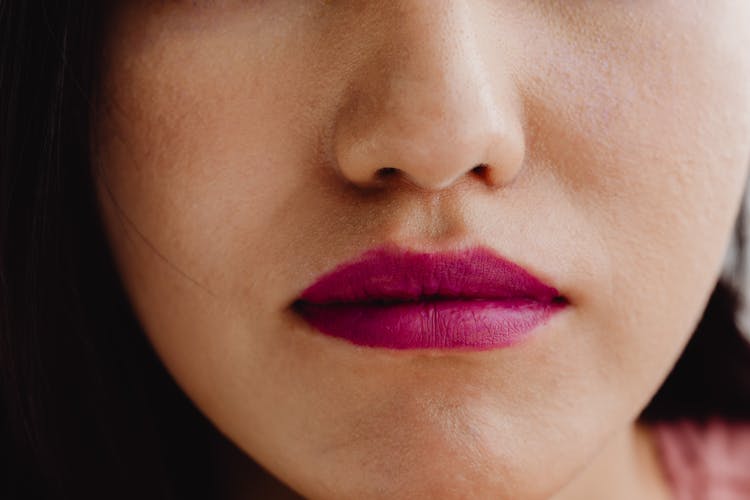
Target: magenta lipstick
[400, 299]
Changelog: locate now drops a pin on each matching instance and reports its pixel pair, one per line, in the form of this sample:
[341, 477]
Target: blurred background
[737, 272]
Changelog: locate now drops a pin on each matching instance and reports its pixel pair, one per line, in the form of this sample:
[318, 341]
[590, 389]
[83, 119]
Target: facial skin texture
[236, 146]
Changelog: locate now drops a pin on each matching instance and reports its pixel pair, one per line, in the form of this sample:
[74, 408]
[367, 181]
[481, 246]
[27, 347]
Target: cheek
[202, 153]
[650, 143]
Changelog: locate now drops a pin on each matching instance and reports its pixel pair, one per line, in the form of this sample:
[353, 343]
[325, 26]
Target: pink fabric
[709, 461]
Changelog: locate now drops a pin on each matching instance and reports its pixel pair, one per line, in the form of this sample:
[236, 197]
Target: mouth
[399, 299]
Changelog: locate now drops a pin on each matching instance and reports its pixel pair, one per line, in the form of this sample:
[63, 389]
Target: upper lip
[394, 274]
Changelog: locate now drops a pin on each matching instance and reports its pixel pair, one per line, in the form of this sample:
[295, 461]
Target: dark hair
[87, 409]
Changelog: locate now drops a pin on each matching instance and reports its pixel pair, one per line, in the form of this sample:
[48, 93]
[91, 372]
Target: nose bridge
[425, 104]
[433, 57]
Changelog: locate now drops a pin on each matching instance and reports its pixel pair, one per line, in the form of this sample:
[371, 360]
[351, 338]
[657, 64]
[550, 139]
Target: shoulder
[706, 459]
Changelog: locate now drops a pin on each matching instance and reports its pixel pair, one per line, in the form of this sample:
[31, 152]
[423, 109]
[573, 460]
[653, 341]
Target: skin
[236, 151]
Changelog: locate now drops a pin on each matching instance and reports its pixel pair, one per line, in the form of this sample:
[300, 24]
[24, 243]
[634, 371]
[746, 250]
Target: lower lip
[431, 324]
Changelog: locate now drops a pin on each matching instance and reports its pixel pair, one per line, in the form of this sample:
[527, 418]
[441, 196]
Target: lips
[400, 299]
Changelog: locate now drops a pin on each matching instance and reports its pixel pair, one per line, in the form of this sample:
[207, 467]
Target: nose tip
[432, 164]
[432, 170]
[433, 155]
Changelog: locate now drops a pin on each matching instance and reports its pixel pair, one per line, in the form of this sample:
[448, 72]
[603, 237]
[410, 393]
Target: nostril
[386, 172]
[480, 170]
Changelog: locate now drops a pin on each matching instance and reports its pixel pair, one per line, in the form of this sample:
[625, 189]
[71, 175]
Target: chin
[451, 464]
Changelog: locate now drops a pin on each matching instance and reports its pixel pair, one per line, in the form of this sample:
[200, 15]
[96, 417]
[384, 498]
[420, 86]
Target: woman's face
[238, 144]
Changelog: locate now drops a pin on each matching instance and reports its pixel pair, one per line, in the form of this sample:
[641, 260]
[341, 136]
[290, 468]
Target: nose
[424, 105]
